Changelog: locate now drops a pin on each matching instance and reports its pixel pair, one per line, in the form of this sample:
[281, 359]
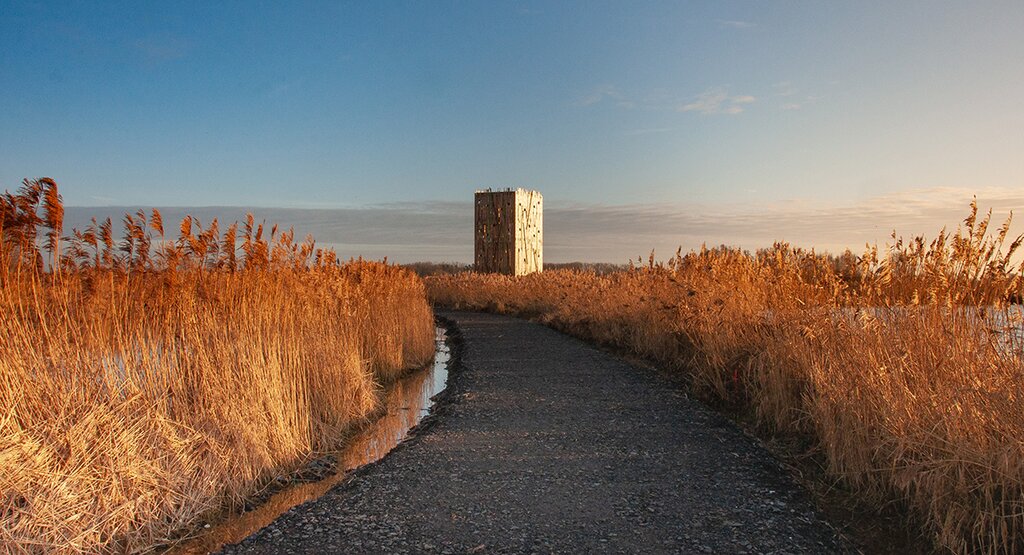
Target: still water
[407, 402]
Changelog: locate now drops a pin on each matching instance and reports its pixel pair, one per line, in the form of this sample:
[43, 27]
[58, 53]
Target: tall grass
[146, 381]
[904, 368]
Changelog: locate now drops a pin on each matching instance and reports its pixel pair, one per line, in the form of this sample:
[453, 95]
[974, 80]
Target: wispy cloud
[607, 93]
[798, 103]
[717, 101]
[712, 101]
[734, 24]
[598, 94]
[792, 97]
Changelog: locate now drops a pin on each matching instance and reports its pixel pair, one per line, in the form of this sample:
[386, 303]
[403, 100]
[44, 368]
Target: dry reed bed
[904, 369]
[146, 382]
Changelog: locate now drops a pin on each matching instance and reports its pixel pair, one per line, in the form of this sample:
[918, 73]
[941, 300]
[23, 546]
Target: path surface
[550, 445]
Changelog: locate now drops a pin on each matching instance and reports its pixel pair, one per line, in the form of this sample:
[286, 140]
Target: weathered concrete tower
[509, 232]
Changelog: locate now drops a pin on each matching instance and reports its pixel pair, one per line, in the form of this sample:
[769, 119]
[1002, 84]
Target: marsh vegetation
[147, 380]
[902, 369]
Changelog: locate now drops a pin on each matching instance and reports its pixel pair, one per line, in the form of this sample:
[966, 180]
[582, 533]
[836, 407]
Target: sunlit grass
[903, 367]
[146, 381]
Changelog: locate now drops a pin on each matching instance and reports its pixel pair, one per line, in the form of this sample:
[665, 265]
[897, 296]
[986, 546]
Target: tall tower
[509, 232]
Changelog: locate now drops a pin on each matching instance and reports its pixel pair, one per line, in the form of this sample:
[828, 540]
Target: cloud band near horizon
[443, 231]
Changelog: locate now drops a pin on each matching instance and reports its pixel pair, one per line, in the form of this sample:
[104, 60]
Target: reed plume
[53, 210]
[141, 394]
[902, 367]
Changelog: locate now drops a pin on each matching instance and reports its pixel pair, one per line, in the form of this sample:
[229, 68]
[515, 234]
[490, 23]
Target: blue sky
[797, 108]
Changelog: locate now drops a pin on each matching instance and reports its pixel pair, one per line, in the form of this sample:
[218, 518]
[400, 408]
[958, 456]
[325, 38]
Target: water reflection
[1003, 324]
[407, 401]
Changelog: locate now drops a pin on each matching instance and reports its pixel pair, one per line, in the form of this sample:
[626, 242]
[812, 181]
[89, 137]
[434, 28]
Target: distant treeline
[425, 269]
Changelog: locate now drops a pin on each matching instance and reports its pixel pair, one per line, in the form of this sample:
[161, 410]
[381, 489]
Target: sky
[644, 124]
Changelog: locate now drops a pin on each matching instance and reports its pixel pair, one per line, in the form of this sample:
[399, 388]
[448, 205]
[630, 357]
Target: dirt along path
[550, 445]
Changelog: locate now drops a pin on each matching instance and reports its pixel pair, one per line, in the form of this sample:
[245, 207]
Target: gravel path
[549, 445]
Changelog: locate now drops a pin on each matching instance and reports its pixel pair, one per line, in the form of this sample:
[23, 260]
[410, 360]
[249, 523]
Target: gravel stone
[544, 444]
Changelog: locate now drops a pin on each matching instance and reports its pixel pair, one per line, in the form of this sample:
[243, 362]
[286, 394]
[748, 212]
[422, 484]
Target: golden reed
[146, 381]
[904, 368]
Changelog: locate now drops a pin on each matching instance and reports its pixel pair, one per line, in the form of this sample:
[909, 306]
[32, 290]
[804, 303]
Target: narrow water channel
[407, 402]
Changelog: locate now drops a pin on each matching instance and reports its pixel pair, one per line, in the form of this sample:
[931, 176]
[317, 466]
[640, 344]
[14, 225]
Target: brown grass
[148, 381]
[904, 369]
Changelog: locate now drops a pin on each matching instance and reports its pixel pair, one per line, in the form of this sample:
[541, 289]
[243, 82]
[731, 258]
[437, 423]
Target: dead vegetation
[146, 379]
[903, 368]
